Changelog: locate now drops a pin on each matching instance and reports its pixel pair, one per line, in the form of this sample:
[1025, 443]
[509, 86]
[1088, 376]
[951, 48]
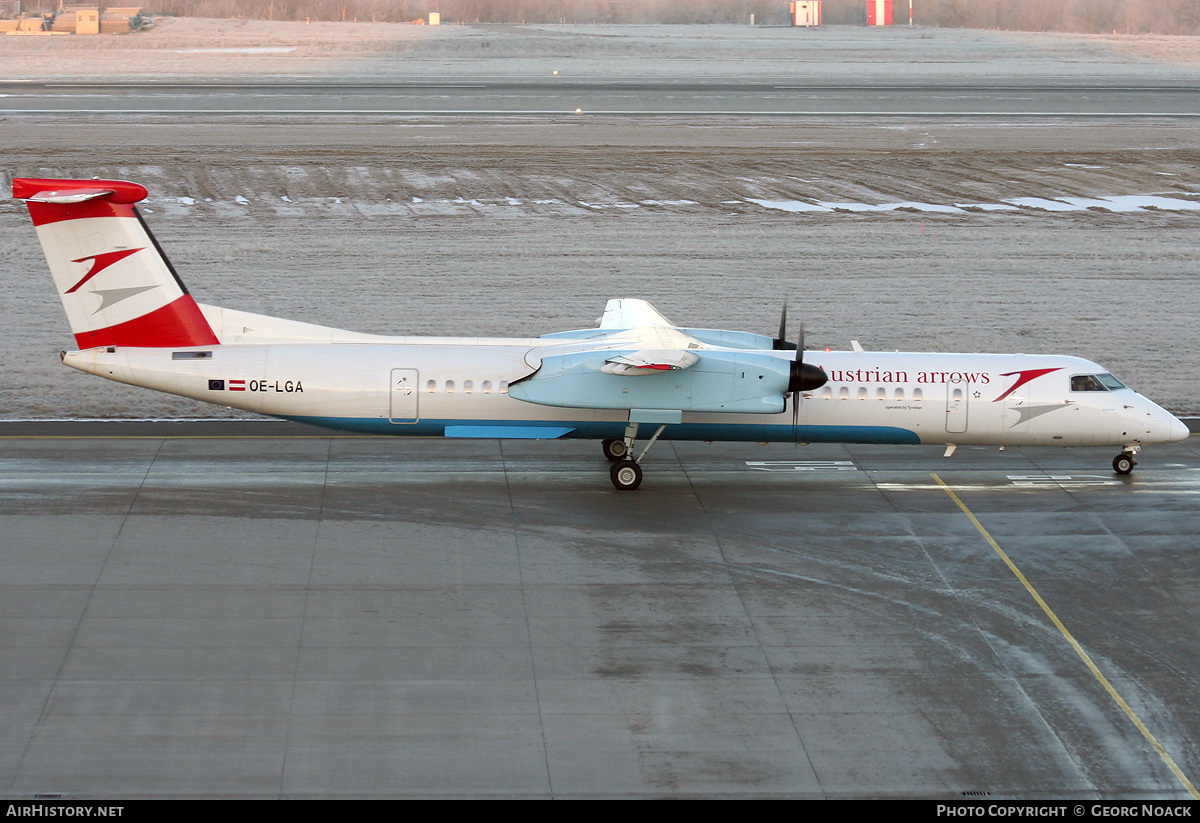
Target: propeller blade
[805, 376]
[781, 342]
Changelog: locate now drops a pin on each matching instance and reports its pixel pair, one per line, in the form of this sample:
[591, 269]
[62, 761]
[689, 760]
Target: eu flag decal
[216, 385]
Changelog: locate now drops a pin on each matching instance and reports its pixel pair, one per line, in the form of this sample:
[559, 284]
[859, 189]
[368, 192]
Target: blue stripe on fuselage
[594, 430]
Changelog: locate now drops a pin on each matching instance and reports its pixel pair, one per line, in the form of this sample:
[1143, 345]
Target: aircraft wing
[627, 313]
[639, 360]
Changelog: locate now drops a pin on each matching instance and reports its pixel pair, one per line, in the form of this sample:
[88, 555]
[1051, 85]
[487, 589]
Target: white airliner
[135, 322]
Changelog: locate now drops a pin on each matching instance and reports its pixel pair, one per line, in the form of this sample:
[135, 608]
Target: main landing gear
[615, 450]
[1123, 463]
[626, 473]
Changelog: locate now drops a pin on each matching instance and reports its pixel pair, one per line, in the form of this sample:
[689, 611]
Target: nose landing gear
[1123, 463]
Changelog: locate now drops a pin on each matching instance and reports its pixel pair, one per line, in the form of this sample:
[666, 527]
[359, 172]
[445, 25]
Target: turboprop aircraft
[135, 322]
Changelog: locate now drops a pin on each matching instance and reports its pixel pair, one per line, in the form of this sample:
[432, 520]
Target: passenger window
[899, 394]
[1086, 382]
[487, 386]
[449, 387]
[827, 393]
[881, 393]
[918, 395]
[844, 393]
[468, 386]
[862, 392]
[504, 387]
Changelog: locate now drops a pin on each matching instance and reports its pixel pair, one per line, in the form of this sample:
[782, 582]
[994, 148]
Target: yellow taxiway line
[1108, 687]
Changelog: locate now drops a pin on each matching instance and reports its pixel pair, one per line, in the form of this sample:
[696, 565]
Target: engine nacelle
[742, 382]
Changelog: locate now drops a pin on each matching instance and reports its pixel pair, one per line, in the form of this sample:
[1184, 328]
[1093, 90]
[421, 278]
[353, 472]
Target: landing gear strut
[1123, 463]
[626, 473]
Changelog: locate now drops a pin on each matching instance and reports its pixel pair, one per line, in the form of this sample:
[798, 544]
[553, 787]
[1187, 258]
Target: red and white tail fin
[117, 286]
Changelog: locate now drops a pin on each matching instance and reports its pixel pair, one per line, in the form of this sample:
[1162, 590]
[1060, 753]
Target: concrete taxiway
[314, 615]
[509, 96]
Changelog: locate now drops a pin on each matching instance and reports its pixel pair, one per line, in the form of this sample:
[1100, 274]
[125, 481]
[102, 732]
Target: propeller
[804, 377]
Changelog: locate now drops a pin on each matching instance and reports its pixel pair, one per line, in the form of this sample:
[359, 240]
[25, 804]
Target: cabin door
[957, 405]
[403, 403]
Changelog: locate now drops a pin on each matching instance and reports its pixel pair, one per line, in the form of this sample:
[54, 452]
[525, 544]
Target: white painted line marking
[1062, 480]
[802, 465]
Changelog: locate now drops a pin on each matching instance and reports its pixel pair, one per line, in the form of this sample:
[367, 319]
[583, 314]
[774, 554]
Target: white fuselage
[459, 387]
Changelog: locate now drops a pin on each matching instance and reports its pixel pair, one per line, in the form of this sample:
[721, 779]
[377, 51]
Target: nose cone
[1177, 430]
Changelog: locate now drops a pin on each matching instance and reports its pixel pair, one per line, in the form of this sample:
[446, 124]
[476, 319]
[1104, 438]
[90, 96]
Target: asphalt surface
[644, 97]
[370, 617]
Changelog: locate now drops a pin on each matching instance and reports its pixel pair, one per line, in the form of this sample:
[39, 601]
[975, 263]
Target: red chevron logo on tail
[100, 262]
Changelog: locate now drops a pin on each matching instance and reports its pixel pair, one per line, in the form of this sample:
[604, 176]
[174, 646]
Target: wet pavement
[320, 615]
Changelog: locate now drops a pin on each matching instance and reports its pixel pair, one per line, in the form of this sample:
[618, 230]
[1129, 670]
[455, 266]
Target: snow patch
[1112, 203]
[786, 205]
[1149, 201]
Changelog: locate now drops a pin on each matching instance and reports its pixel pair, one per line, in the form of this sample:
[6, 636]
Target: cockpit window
[1110, 381]
[1087, 382]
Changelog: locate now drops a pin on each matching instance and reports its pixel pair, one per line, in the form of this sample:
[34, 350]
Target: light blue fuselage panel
[600, 430]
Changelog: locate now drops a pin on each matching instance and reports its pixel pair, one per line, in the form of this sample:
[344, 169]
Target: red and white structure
[89, 227]
[879, 12]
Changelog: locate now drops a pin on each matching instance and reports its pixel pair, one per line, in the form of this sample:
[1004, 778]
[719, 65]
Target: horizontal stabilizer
[68, 195]
[41, 190]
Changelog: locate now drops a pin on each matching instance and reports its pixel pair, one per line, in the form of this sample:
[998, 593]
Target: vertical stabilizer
[116, 285]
